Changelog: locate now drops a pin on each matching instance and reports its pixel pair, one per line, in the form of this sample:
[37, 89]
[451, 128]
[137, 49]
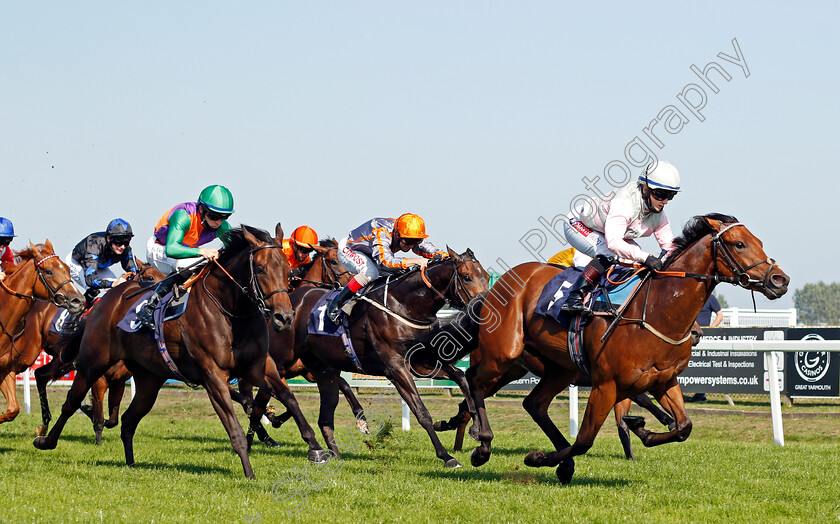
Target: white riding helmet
[661, 174]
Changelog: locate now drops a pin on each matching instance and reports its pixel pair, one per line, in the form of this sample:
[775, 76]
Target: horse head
[470, 277]
[330, 271]
[740, 255]
[53, 282]
[270, 271]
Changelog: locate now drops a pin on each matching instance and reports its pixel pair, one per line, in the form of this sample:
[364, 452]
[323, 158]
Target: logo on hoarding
[811, 365]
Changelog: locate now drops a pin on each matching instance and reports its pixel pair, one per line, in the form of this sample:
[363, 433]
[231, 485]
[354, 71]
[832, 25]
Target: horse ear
[453, 255]
[470, 253]
[320, 250]
[714, 224]
[252, 240]
[278, 233]
[49, 245]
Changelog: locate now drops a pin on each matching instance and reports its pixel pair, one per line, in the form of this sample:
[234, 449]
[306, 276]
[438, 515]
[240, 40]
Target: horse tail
[456, 336]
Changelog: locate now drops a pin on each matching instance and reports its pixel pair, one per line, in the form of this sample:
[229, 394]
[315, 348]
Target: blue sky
[479, 116]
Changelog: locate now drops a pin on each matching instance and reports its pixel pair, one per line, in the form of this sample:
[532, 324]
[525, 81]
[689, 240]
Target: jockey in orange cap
[298, 248]
[370, 249]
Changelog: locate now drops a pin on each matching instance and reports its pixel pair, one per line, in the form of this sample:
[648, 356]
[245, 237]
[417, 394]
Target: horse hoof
[42, 443]
[318, 456]
[362, 426]
[535, 459]
[565, 471]
[452, 463]
[634, 423]
[477, 458]
[41, 431]
[270, 442]
[439, 425]
[474, 432]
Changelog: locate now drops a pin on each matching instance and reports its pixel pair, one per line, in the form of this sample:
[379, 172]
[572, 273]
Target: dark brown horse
[221, 335]
[41, 275]
[384, 327]
[646, 351]
[325, 272]
[39, 335]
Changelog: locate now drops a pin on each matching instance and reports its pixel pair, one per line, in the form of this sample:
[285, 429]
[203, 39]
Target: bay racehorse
[39, 336]
[221, 335]
[645, 352]
[41, 275]
[384, 327]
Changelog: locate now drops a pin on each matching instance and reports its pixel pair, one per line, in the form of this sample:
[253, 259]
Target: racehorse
[41, 275]
[384, 326]
[38, 335]
[222, 334]
[646, 350]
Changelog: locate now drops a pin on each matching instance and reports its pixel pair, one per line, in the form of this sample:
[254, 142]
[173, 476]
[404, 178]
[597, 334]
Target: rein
[455, 281]
[56, 298]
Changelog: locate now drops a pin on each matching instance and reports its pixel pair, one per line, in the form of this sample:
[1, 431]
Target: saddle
[616, 286]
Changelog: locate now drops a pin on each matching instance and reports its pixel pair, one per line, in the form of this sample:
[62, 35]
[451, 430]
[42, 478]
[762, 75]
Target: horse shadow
[522, 476]
[180, 468]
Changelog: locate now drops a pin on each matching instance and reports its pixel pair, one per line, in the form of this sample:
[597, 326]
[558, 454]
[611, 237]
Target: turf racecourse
[728, 471]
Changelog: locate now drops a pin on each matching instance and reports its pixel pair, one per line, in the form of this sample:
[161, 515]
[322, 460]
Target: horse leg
[9, 391]
[601, 402]
[287, 398]
[218, 391]
[645, 401]
[404, 383]
[328, 392]
[97, 410]
[43, 375]
[670, 397]
[147, 386]
[116, 389]
[77, 392]
[622, 410]
[554, 380]
[355, 405]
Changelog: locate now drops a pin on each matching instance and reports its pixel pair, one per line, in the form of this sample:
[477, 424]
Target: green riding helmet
[217, 198]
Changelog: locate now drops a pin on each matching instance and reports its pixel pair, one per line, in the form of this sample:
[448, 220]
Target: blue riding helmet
[6, 228]
[119, 228]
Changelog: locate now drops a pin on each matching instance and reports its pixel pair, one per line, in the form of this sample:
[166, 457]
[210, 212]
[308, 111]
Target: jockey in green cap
[178, 236]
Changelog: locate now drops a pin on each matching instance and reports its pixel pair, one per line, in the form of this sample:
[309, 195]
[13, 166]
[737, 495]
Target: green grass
[728, 471]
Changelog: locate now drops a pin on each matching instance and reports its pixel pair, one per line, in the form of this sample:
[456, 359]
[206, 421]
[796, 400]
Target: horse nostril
[780, 280]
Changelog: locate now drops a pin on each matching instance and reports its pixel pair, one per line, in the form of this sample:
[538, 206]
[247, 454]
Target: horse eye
[467, 278]
[259, 269]
[740, 245]
[48, 272]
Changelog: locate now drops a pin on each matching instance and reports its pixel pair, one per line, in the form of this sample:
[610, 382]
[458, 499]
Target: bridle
[742, 278]
[59, 299]
[456, 284]
[331, 280]
[254, 292]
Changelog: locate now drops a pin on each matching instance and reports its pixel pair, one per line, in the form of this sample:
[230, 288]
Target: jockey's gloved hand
[297, 272]
[653, 262]
[437, 258]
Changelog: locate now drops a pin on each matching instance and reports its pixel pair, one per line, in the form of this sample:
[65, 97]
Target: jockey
[178, 235]
[369, 250]
[608, 230]
[91, 259]
[7, 256]
[298, 248]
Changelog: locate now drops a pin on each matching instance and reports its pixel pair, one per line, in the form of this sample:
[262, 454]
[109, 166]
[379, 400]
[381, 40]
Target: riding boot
[334, 307]
[146, 315]
[584, 284]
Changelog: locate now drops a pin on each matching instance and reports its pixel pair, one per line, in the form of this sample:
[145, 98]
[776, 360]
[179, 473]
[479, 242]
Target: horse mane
[696, 228]
[237, 242]
[25, 254]
[328, 242]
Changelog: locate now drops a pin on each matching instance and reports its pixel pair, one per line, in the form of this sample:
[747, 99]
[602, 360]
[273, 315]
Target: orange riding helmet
[305, 236]
[410, 225]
